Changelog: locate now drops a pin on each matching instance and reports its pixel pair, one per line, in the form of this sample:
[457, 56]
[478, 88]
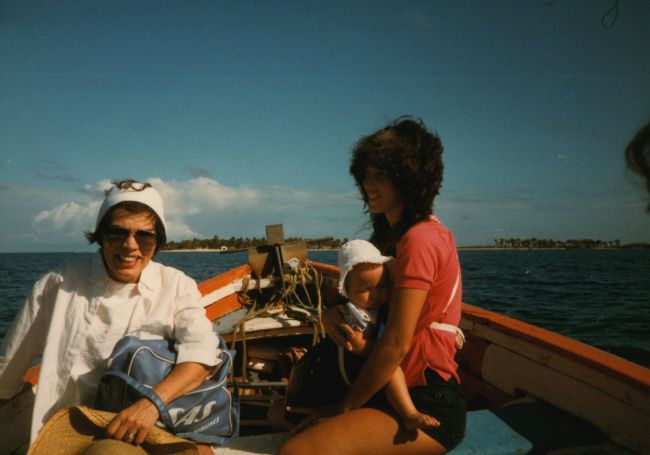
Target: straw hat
[72, 431]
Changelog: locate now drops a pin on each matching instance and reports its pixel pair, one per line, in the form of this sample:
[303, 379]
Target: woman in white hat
[399, 172]
[75, 315]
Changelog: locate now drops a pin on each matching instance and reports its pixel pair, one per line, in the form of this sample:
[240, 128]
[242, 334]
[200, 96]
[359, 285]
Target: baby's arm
[399, 398]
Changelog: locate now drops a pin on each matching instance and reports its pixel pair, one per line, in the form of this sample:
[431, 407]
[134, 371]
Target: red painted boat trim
[327, 269]
[629, 372]
[227, 277]
[31, 376]
[611, 365]
[224, 306]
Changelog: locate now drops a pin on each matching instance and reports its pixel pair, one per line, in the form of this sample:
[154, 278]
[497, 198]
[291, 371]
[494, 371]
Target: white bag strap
[460, 336]
[344, 373]
[453, 292]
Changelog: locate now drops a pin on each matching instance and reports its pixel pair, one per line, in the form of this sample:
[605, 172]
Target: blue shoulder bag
[208, 414]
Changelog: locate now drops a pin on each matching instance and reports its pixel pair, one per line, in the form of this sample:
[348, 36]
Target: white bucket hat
[357, 252]
[136, 192]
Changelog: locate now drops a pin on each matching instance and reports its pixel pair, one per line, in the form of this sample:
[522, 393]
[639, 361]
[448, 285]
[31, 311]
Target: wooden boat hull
[540, 383]
[507, 361]
[511, 357]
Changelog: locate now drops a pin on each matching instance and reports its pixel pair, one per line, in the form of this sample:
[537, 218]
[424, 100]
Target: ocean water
[600, 297]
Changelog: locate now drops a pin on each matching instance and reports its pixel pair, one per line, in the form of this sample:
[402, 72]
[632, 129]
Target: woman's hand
[333, 320]
[342, 334]
[357, 342]
[314, 415]
[133, 423]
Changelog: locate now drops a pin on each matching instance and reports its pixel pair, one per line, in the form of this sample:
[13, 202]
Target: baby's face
[363, 285]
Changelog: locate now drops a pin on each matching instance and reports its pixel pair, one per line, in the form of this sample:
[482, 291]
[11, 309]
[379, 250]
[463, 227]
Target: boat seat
[518, 428]
[487, 434]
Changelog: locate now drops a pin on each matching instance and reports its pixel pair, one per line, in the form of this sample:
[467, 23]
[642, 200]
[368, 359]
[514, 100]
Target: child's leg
[400, 399]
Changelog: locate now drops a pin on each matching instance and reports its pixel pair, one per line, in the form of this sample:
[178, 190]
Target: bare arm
[344, 335]
[140, 417]
[389, 350]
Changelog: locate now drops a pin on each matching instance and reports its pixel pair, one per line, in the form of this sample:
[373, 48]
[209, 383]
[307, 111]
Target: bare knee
[295, 446]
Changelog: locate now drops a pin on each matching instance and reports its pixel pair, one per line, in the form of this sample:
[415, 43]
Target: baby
[362, 273]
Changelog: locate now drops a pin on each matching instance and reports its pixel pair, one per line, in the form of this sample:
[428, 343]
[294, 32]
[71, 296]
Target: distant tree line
[236, 243]
[563, 244]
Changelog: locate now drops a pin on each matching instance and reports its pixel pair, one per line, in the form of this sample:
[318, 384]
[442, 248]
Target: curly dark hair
[411, 157]
[637, 156]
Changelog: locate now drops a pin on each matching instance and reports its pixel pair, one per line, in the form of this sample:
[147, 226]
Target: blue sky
[244, 113]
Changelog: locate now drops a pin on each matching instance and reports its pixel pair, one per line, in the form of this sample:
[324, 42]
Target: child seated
[362, 280]
[324, 374]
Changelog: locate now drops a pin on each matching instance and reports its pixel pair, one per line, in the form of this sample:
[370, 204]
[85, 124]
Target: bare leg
[399, 398]
[359, 432]
[204, 449]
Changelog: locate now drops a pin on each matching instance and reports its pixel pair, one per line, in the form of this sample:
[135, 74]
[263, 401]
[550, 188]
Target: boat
[528, 390]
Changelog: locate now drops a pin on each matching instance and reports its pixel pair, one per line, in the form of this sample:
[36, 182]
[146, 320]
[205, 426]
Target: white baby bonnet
[357, 252]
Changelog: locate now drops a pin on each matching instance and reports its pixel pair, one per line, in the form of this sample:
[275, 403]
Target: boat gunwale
[627, 371]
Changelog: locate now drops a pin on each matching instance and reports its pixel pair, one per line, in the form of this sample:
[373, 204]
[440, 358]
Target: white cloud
[194, 196]
[202, 206]
[98, 189]
[68, 213]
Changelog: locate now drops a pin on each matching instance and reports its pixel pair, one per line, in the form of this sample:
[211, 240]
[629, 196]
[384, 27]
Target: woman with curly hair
[398, 170]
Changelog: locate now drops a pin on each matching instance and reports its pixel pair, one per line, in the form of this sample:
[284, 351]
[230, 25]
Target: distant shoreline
[460, 248]
[236, 250]
[198, 250]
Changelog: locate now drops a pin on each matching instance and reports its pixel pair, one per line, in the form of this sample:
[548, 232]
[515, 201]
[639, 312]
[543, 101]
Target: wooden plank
[570, 366]
[619, 420]
[634, 374]
[288, 331]
[224, 278]
[224, 306]
[325, 269]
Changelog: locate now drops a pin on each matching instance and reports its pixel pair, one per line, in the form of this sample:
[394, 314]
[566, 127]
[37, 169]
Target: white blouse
[75, 315]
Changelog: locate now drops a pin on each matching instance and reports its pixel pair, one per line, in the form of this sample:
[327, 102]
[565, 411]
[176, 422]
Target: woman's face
[381, 195]
[128, 244]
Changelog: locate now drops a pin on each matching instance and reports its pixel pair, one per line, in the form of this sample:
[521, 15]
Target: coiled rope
[285, 299]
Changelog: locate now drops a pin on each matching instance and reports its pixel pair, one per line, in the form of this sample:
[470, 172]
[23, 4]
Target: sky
[244, 113]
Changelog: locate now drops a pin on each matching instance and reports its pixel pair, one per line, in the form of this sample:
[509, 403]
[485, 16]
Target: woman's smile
[127, 248]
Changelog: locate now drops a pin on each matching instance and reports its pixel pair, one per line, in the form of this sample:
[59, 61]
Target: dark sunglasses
[145, 239]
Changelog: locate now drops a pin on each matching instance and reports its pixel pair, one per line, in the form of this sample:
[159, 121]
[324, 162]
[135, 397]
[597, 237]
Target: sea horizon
[597, 296]
[632, 246]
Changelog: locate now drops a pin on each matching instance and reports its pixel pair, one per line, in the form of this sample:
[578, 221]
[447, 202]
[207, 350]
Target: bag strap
[460, 336]
[147, 393]
[344, 373]
[453, 292]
